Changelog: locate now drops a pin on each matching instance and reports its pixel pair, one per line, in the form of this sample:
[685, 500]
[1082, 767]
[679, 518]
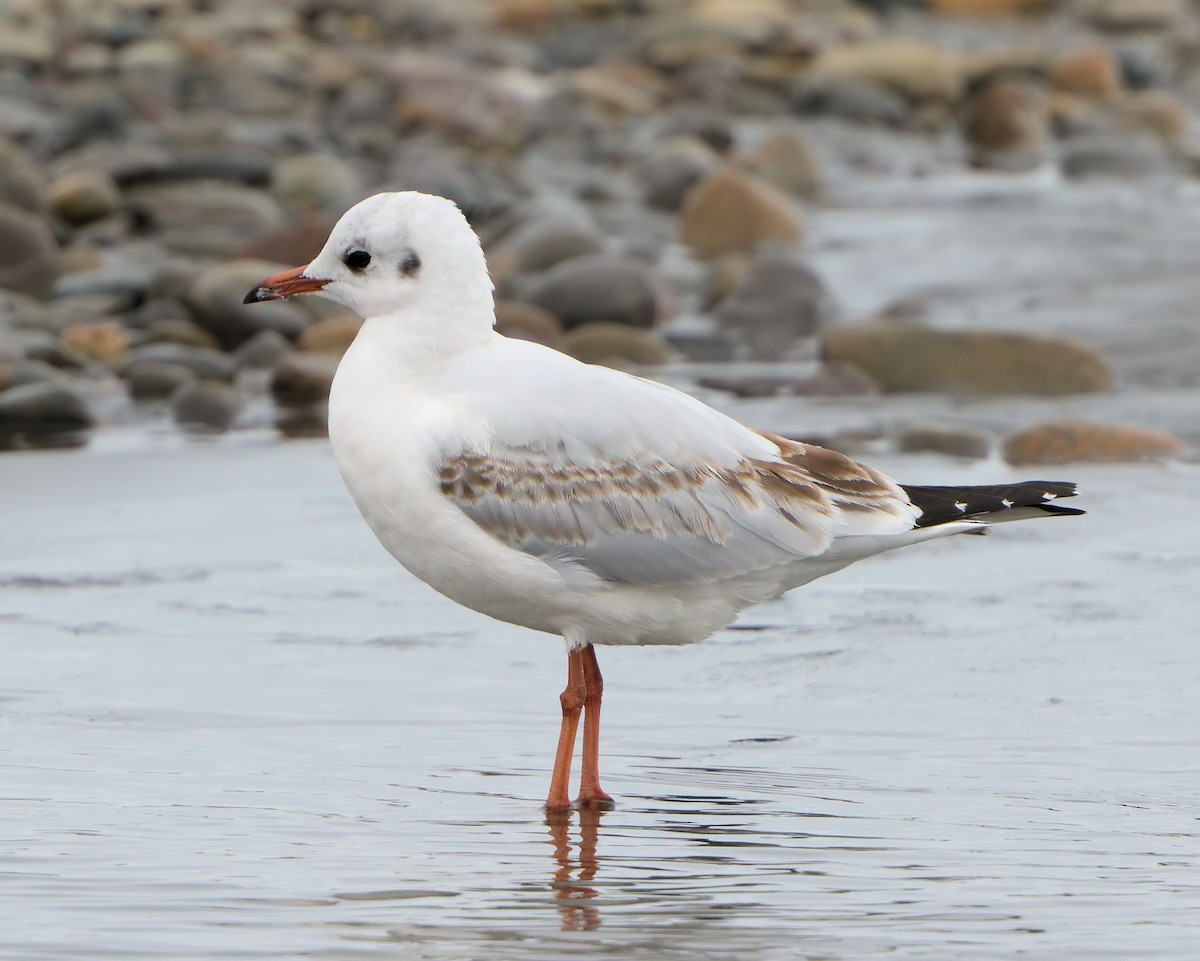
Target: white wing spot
[1006, 502]
[962, 507]
[1048, 496]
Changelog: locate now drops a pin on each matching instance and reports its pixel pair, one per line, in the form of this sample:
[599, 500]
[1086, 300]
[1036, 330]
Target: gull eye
[357, 260]
[410, 264]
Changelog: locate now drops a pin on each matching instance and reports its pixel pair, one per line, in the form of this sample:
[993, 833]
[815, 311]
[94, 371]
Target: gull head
[391, 252]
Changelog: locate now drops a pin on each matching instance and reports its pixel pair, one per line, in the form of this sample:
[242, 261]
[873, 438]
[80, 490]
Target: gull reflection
[577, 866]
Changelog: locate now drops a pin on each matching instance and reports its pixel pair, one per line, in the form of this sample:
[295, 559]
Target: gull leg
[591, 794]
[572, 700]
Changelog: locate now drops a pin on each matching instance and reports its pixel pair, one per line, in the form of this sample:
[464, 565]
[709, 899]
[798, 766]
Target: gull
[573, 499]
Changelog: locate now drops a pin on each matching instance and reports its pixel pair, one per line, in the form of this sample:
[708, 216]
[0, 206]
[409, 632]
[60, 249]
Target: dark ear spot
[410, 264]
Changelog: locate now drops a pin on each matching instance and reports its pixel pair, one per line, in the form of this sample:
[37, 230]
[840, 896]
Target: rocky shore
[654, 182]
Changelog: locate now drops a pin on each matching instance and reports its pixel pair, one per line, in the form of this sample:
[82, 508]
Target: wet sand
[235, 729]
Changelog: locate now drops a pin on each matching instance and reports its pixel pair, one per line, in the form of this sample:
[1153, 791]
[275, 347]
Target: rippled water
[233, 729]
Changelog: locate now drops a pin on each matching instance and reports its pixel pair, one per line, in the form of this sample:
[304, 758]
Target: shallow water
[232, 728]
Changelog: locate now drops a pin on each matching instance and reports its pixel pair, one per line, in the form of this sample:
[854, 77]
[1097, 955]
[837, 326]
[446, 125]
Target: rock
[50, 405]
[1118, 154]
[236, 164]
[713, 128]
[1159, 113]
[762, 385]
[524, 321]
[733, 210]
[596, 288]
[1139, 70]
[262, 351]
[616, 345]
[1067, 442]
[106, 342]
[990, 9]
[779, 301]
[31, 371]
[296, 242]
[917, 69]
[540, 243]
[20, 179]
[215, 299]
[702, 346]
[302, 379]
[860, 101]
[206, 406]
[786, 160]
[951, 441]
[1005, 121]
[905, 357]
[330, 335]
[209, 364]
[316, 184]
[156, 379]
[29, 257]
[203, 218]
[1123, 15]
[179, 330]
[84, 196]
[835, 379]
[1094, 73]
[672, 169]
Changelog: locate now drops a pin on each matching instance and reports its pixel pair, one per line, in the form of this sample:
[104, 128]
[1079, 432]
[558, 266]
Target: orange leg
[591, 794]
[572, 699]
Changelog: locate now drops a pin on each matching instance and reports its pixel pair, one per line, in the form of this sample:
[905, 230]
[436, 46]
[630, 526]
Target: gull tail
[992, 503]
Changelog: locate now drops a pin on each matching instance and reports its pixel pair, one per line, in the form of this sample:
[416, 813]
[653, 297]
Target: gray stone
[1116, 154]
[209, 364]
[206, 406]
[215, 299]
[20, 179]
[857, 100]
[672, 169]
[951, 441]
[262, 351]
[47, 405]
[32, 371]
[779, 301]
[316, 183]
[300, 379]
[150, 379]
[29, 257]
[596, 288]
[542, 242]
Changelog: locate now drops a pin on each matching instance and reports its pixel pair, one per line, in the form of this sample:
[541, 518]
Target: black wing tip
[940, 505]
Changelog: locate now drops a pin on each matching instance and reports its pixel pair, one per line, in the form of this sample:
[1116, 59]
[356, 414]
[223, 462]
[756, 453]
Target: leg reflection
[574, 892]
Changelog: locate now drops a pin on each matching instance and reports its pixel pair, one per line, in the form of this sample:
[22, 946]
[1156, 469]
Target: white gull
[574, 499]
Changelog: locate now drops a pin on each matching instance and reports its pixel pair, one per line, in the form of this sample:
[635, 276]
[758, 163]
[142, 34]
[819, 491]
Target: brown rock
[84, 196]
[106, 342]
[296, 242]
[1006, 115]
[524, 321]
[1159, 112]
[905, 357]
[918, 69]
[989, 9]
[1067, 442]
[786, 160]
[302, 379]
[1094, 72]
[616, 345]
[733, 210]
[330, 335]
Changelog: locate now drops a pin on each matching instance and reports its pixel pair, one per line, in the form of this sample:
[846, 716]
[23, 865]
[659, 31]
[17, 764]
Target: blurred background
[890, 208]
[956, 238]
